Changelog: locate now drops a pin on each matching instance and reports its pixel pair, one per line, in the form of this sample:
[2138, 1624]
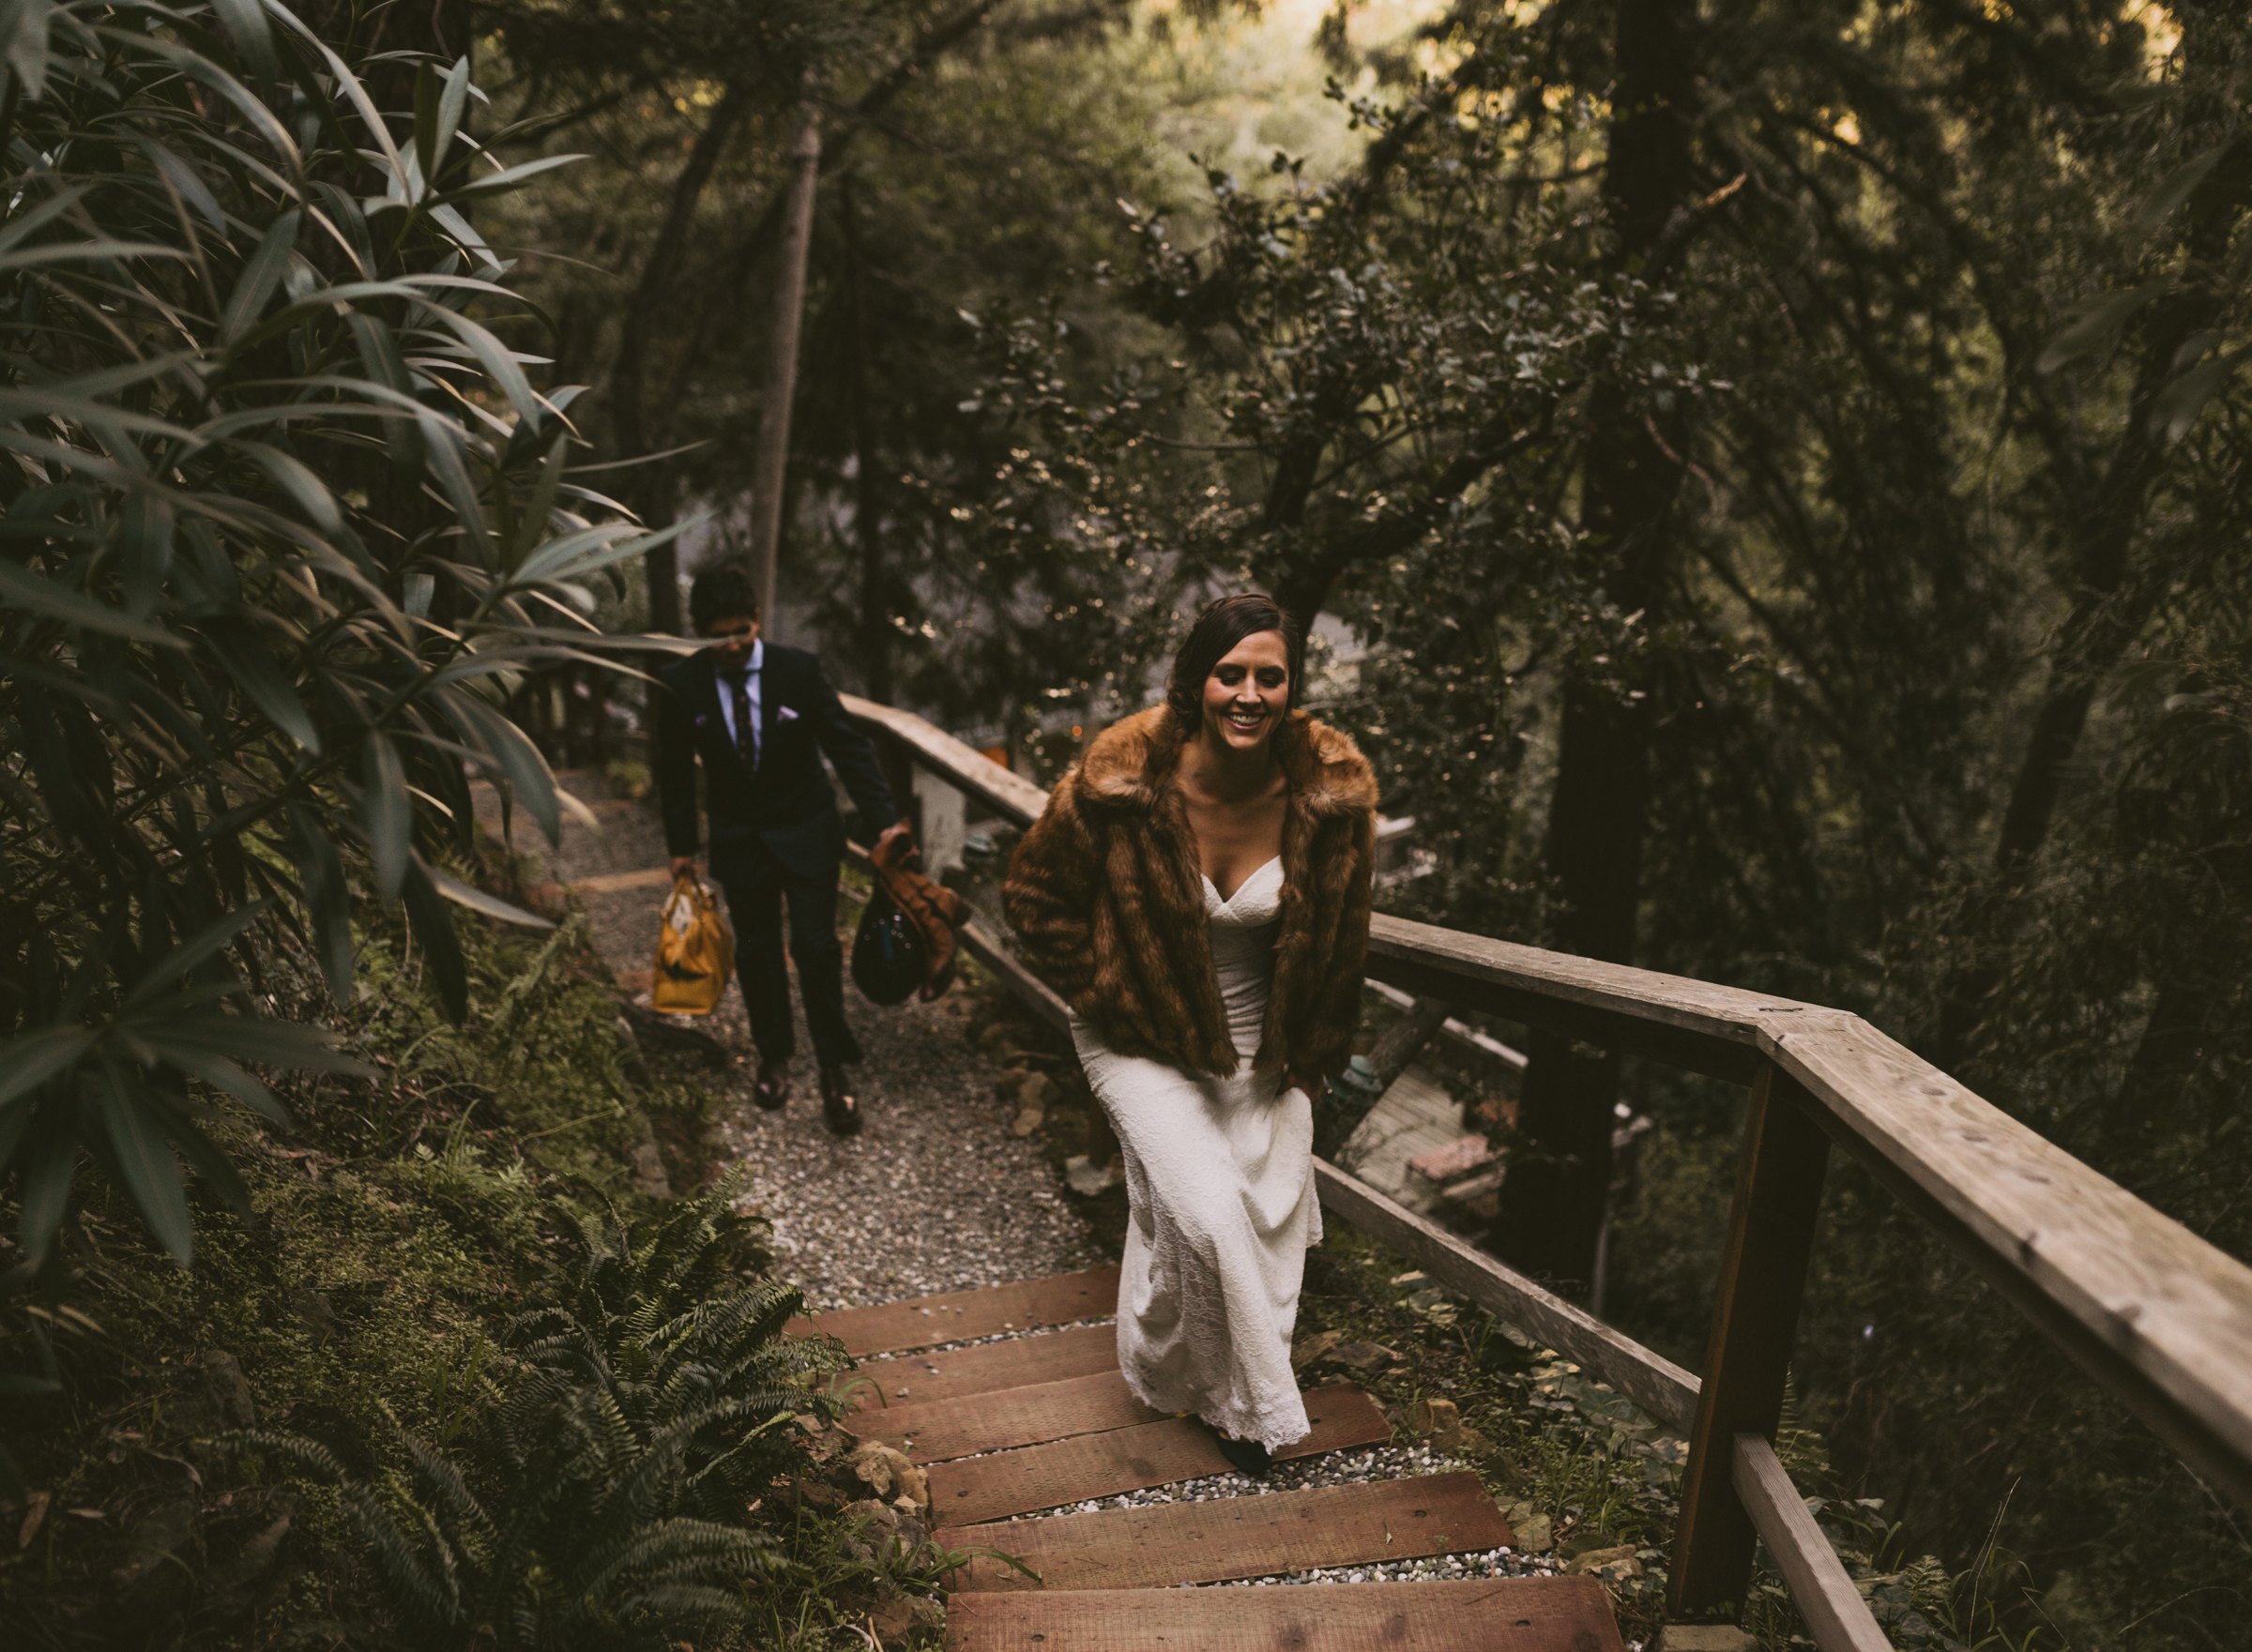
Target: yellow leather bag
[696, 951]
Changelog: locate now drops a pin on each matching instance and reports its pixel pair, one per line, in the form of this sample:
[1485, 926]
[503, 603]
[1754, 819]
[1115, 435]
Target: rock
[1306, 1350]
[897, 1619]
[1032, 1098]
[1604, 1561]
[629, 1061]
[995, 1041]
[650, 1177]
[1704, 1637]
[231, 1581]
[1528, 1526]
[229, 1391]
[665, 1036]
[891, 1619]
[1439, 1421]
[1473, 1444]
[887, 1471]
[1086, 1177]
[164, 1556]
[1361, 1355]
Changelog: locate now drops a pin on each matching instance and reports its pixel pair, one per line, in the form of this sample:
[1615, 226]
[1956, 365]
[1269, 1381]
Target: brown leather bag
[935, 910]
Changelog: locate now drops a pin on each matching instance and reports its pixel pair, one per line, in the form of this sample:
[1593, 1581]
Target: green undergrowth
[1584, 1475]
[366, 1325]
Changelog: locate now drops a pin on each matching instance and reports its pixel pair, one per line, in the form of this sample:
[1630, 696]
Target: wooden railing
[2161, 1318]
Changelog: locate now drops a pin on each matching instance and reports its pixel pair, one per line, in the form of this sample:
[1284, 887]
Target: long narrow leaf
[434, 928]
[261, 274]
[206, 944]
[463, 894]
[247, 660]
[385, 815]
[142, 1158]
[29, 1062]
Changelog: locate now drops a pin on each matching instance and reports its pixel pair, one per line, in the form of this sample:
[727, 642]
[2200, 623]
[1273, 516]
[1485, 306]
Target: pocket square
[783, 714]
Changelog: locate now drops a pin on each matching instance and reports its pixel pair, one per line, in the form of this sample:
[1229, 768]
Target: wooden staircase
[1013, 1431]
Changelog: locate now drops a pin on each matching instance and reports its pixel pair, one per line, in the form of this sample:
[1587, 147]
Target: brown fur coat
[1107, 896]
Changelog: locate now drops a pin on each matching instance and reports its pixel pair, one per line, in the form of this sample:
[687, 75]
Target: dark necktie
[746, 730]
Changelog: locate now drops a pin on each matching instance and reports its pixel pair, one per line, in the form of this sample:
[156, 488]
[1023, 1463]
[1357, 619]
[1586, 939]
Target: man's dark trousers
[776, 837]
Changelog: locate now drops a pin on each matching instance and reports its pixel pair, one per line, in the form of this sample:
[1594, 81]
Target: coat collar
[1130, 764]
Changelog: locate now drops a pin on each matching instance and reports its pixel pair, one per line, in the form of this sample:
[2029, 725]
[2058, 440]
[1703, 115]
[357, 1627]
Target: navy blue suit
[775, 832]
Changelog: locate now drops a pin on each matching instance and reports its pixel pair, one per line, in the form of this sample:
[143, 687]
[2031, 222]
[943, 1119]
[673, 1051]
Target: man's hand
[891, 832]
[683, 865]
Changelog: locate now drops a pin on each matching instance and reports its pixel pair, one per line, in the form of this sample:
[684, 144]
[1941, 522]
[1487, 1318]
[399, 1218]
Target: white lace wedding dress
[1220, 1183]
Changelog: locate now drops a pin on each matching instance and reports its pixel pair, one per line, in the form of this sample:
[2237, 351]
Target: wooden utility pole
[773, 457]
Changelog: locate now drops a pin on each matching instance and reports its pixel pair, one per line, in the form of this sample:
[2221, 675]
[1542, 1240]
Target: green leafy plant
[283, 524]
[606, 1500]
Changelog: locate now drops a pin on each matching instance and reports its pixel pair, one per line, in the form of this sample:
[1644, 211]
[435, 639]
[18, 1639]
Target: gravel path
[933, 1195]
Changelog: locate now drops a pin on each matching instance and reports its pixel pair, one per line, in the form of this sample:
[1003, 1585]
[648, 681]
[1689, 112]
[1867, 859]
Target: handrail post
[1763, 1275]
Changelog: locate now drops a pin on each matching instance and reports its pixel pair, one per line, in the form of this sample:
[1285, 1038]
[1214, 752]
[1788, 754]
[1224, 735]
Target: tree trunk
[876, 581]
[771, 464]
[631, 419]
[1559, 1169]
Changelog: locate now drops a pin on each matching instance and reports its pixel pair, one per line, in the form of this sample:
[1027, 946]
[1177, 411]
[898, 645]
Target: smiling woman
[1198, 891]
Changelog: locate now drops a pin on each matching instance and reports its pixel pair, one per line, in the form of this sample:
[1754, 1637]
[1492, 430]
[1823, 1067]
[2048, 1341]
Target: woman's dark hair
[1218, 628]
[723, 591]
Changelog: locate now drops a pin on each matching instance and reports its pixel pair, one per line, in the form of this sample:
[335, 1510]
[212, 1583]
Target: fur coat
[1107, 896]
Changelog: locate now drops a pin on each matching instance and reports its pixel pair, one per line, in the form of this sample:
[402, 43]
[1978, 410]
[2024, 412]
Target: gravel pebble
[933, 1195]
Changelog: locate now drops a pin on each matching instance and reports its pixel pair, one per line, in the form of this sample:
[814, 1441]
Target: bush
[283, 525]
[602, 1502]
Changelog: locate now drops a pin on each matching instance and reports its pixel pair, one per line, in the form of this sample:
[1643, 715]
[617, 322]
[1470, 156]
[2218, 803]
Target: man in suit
[757, 718]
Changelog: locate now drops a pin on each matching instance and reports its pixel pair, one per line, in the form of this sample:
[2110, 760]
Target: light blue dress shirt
[758, 659]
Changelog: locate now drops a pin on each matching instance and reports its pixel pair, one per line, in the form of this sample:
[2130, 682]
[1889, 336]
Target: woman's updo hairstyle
[1220, 626]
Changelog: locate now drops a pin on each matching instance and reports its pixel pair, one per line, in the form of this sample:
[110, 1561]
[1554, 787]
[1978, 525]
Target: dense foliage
[284, 520]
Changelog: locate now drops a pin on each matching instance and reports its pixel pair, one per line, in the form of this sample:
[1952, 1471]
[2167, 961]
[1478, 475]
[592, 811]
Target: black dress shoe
[840, 1107]
[772, 1089]
[1248, 1456]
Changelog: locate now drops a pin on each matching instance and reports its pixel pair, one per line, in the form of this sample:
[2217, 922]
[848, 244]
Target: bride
[1198, 892]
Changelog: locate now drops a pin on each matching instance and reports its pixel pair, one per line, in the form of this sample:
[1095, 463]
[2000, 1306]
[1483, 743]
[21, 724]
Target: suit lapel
[709, 675]
[769, 700]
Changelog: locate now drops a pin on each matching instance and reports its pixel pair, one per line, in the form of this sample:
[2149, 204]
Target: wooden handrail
[2160, 1317]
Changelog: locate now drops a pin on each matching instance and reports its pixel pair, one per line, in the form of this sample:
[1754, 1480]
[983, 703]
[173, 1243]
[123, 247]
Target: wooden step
[1049, 1356]
[955, 1316]
[1128, 1460]
[1014, 1416]
[1169, 1543]
[1478, 1614]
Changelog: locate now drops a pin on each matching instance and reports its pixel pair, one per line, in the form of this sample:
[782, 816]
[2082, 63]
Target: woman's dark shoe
[772, 1089]
[840, 1107]
[1248, 1456]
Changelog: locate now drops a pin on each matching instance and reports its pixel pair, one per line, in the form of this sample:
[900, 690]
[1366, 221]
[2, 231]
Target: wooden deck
[1019, 1432]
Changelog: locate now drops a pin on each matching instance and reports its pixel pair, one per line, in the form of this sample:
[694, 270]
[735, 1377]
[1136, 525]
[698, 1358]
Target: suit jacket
[786, 805]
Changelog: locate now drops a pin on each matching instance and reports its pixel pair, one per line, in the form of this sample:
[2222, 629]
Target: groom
[753, 713]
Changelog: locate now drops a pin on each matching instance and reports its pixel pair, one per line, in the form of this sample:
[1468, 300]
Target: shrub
[284, 523]
[603, 1503]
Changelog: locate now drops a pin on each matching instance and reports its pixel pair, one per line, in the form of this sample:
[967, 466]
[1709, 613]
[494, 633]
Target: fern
[601, 1504]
